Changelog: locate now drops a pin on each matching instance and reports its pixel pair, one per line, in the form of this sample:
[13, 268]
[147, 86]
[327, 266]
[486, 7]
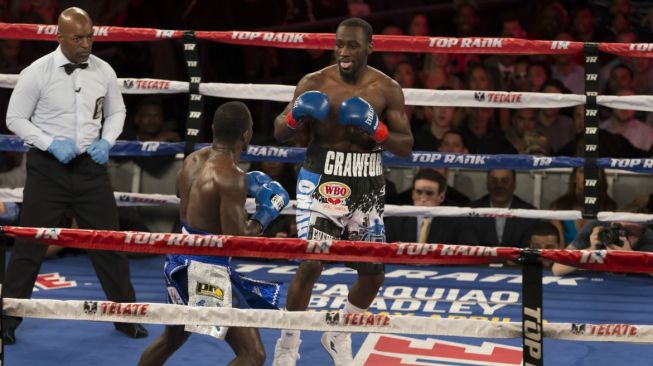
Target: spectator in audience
[538, 75]
[623, 122]
[639, 237]
[478, 78]
[389, 60]
[437, 72]
[573, 200]
[405, 74]
[520, 81]
[477, 127]
[610, 145]
[428, 190]
[149, 125]
[466, 23]
[419, 25]
[643, 83]
[501, 231]
[545, 236]
[606, 69]
[514, 140]
[558, 128]
[583, 26]
[429, 138]
[565, 69]
[453, 141]
[550, 18]
[619, 19]
[502, 67]
[621, 77]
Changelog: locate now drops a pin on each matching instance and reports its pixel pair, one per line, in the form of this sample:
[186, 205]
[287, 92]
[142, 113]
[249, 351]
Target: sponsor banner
[151, 86]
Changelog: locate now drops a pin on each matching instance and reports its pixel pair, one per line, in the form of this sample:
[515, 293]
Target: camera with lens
[610, 236]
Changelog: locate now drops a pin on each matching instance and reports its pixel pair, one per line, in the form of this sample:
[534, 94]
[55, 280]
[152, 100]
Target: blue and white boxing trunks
[341, 195]
[211, 281]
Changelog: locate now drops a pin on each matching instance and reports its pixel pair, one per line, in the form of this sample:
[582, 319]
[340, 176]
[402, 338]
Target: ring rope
[417, 97]
[325, 250]
[416, 159]
[155, 199]
[168, 314]
[325, 41]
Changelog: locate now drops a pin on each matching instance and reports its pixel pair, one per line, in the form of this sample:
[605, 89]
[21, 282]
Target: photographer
[620, 235]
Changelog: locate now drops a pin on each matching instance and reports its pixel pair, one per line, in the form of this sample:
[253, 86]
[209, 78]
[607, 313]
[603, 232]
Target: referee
[58, 108]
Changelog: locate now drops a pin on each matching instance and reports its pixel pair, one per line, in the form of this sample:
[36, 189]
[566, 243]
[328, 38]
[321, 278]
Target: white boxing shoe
[285, 356]
[338, 345]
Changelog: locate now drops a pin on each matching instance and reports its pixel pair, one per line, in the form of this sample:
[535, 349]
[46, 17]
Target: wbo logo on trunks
[335, 192]
[209, 290]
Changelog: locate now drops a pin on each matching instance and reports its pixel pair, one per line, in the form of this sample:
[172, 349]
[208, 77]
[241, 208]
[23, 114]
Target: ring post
[532, 331]
[195, 103]
[591, 180]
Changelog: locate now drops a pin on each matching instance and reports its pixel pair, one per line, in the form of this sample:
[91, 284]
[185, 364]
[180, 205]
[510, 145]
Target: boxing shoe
[132, 330]
[338, 345]
[9, 335]
[285, 356]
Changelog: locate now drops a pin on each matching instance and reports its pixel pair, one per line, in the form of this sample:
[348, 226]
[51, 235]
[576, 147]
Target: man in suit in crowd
[429, 189]
[501, 231]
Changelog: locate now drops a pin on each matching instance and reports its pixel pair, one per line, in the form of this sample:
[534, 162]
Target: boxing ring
[430, 311]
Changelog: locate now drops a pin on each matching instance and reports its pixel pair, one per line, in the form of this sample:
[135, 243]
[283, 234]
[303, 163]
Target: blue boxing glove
[310, 105]
[357, 112]
[99, 151]
[270, 200]
[63, 149]
[255, 180]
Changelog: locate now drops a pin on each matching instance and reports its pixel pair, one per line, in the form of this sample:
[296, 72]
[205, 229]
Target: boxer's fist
[255, 180]
[270, 200]
[357, 112]
[310, 105]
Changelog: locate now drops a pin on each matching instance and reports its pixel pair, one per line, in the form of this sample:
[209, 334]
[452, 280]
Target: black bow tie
[71, 67]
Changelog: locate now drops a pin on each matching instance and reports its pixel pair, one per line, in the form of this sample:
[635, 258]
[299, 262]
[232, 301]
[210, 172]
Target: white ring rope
[419, 97]
[154, 313]
[149, 199]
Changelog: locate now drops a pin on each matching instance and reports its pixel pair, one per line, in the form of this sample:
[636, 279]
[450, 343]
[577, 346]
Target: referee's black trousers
[51, 189]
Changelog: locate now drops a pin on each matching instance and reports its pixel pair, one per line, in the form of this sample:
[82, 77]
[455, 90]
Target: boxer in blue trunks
[212, 191]
[341, 188]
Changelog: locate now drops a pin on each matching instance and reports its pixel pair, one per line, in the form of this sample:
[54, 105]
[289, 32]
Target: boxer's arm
[233, 217]
[282, 132]
[400, 137]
